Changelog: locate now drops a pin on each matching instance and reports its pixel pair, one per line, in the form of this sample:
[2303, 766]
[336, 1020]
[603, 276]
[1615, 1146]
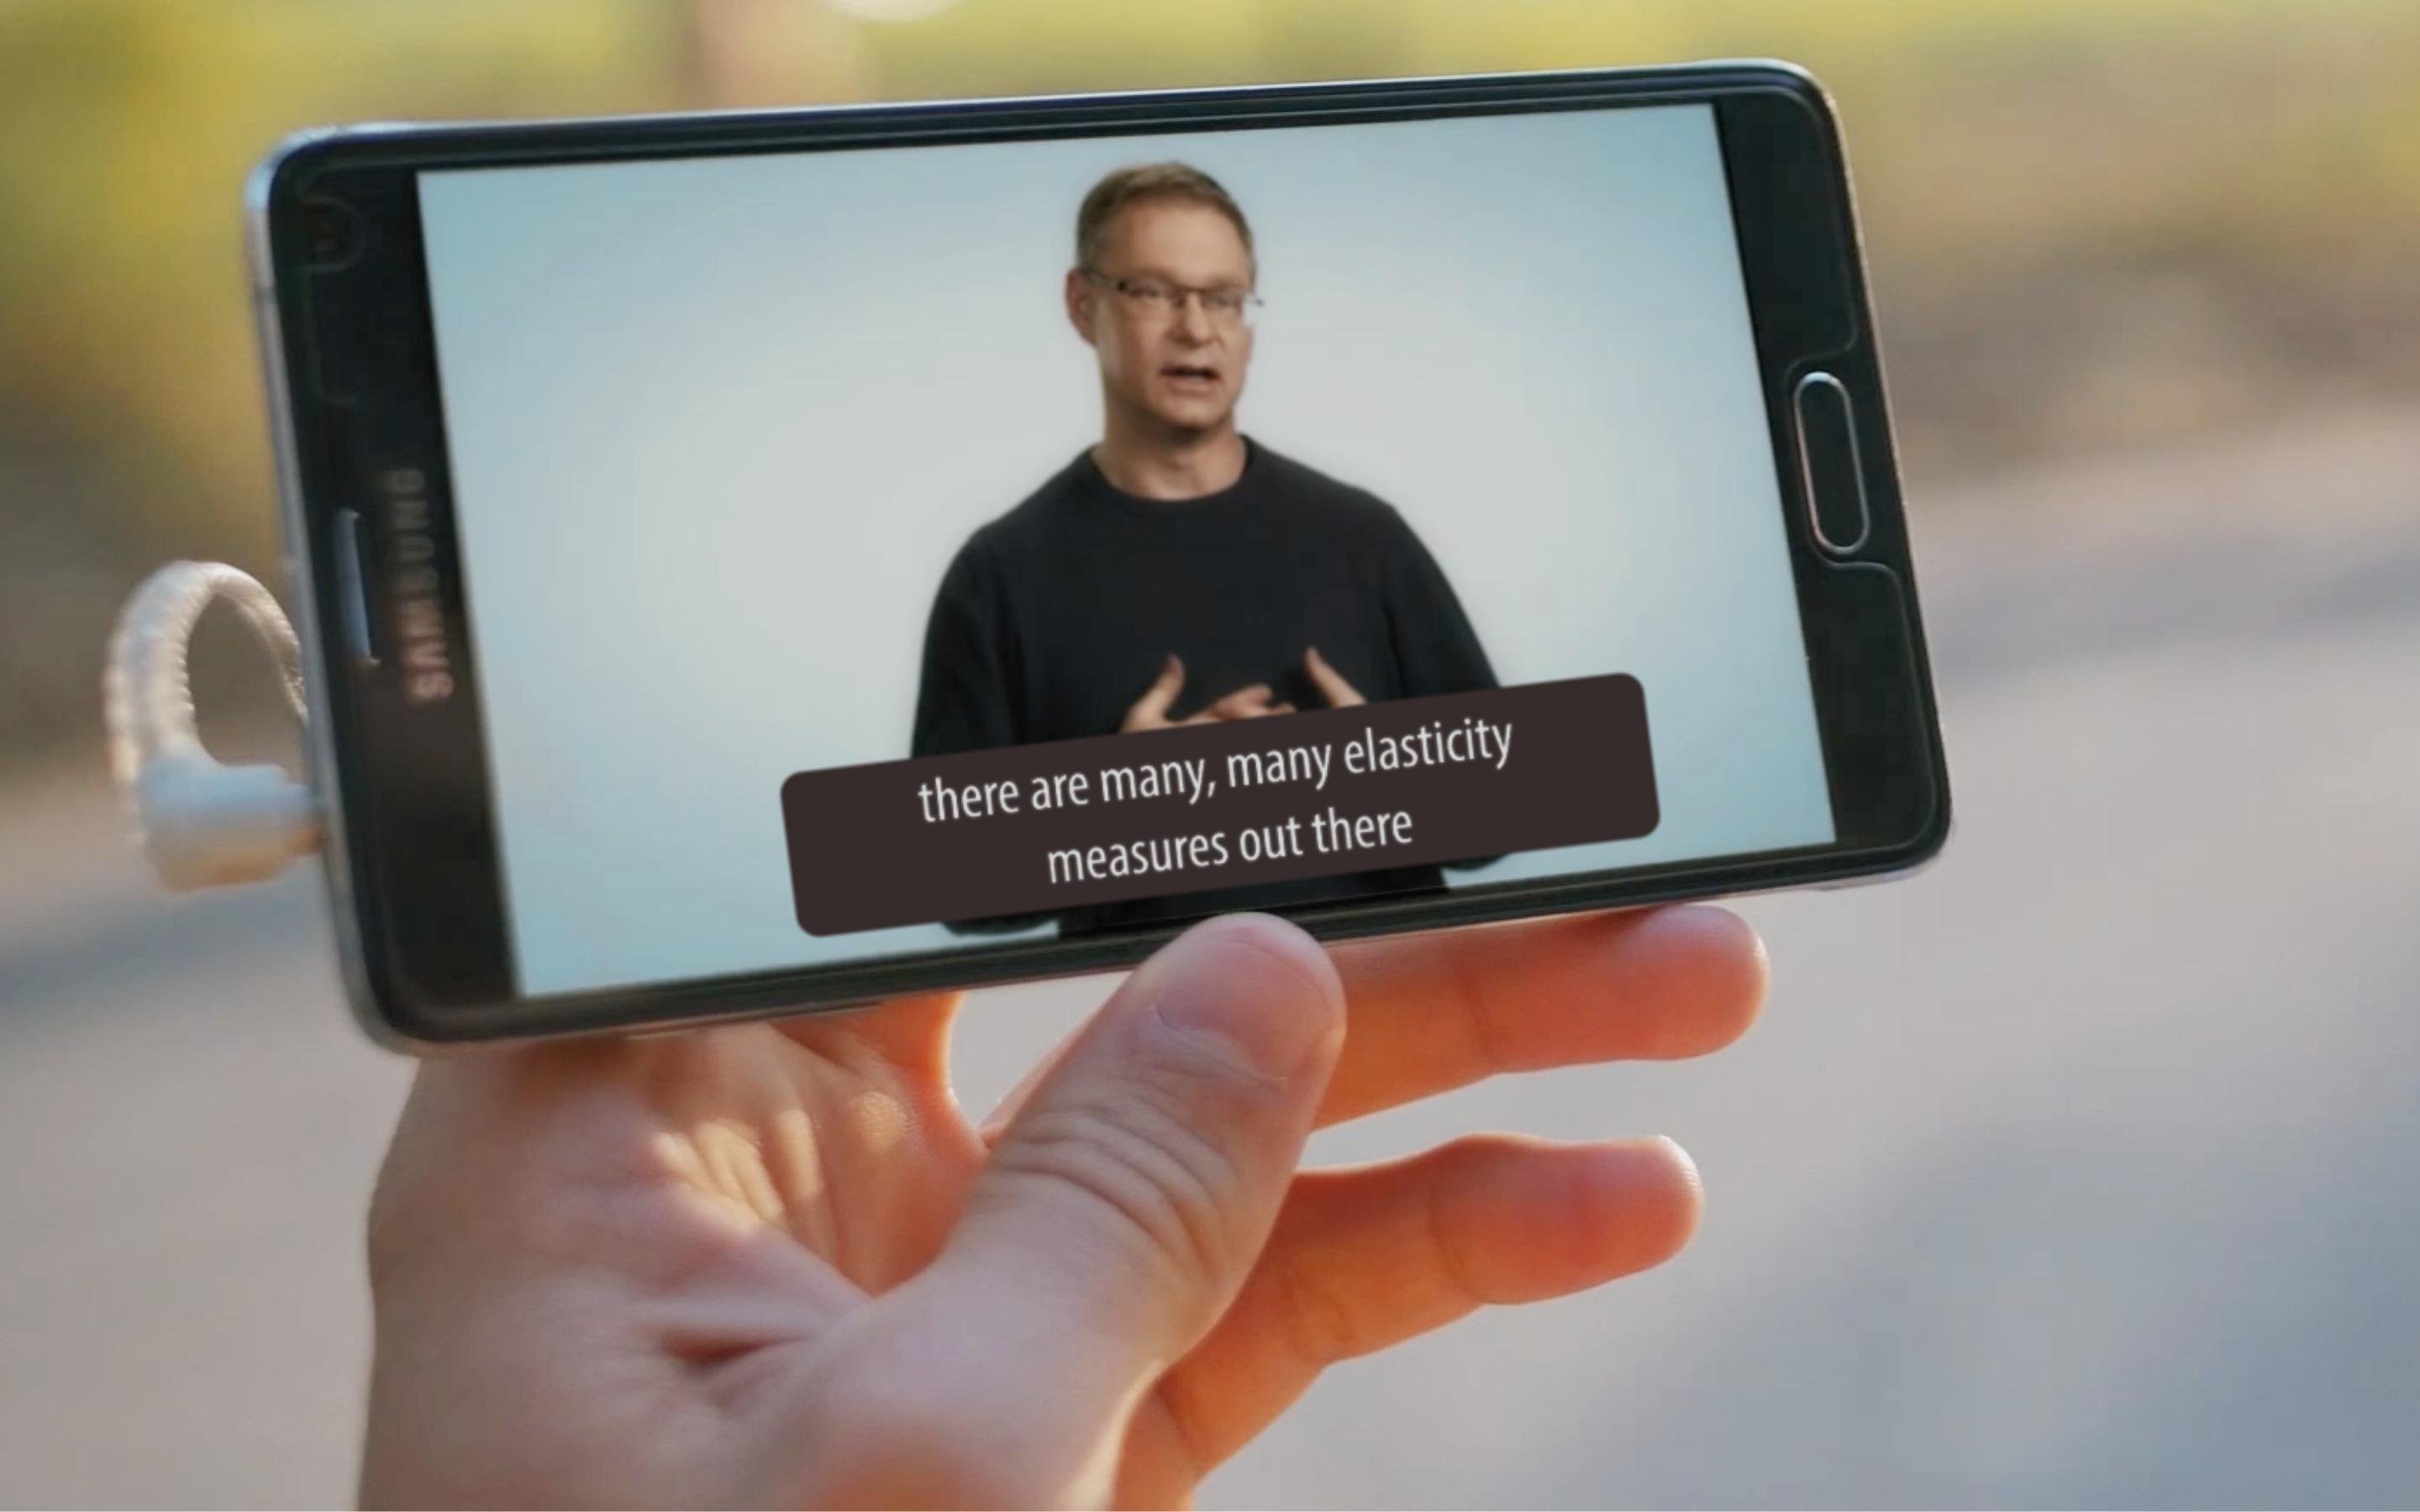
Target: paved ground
[2081, 1169]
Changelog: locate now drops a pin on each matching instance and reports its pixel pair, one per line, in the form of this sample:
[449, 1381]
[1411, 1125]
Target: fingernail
[1253, 990]
[1687, 1163]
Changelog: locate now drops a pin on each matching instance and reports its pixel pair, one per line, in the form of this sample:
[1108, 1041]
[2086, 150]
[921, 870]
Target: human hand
[1330, 682]
[1150, 712]
[774, 1263]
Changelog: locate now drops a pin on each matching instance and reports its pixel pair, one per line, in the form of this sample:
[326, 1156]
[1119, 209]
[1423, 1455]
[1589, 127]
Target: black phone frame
[411, 857]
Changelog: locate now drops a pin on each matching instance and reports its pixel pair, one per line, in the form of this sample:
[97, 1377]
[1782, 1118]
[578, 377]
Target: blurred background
[2080, 1170]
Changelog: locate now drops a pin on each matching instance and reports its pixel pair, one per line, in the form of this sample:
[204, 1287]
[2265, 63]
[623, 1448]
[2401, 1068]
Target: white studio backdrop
[717, 426]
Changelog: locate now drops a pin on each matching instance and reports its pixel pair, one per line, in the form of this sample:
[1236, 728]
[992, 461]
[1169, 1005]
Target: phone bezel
[411, 857]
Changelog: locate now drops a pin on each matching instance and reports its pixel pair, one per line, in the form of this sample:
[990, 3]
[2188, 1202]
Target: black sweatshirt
[1056, 617]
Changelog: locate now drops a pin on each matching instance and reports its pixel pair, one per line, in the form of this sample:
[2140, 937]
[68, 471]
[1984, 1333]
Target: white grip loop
[202, 824]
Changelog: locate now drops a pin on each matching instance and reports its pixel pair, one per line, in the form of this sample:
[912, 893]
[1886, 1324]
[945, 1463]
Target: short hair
[1151, 181]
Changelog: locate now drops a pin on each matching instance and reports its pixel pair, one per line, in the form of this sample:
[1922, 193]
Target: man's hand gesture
[1150, 712]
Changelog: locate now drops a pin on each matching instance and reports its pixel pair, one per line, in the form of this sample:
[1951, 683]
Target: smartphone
[774, 561]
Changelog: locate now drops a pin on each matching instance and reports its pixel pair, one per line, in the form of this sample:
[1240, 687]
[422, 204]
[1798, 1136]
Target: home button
[1830, 464]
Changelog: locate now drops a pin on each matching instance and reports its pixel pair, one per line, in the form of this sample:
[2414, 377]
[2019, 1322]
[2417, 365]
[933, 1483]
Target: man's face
[1179, 363]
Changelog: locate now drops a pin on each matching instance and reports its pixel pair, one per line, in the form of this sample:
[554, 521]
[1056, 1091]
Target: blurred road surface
[2081, 1169]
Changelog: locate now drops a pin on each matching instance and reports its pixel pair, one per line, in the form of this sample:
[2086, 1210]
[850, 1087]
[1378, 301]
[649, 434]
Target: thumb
[1126, 1198]
[1153, 706]
[1131, 1193]
[1330, 682]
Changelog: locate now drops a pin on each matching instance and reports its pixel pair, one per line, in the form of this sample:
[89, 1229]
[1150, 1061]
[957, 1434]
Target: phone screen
[875, 553]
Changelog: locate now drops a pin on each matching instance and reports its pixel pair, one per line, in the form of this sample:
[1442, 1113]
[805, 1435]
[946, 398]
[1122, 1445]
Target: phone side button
[352, 587]
[1830, 464]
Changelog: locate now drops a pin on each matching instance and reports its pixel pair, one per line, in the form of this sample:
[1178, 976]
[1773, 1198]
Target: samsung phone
[759, 562]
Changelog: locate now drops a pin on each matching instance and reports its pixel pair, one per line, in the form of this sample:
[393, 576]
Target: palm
[841, 1144]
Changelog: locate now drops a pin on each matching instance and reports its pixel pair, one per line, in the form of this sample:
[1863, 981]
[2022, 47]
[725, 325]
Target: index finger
[1431, 1013]
[1243, 703]
[1426, 1013]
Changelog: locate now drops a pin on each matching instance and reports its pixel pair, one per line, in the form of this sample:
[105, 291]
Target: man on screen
[1178, 571]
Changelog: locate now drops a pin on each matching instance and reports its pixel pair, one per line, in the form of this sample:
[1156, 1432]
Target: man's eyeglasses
[1161, 299]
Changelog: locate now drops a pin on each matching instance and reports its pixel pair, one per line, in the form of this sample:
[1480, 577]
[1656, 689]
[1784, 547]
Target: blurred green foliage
[2092, 222]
